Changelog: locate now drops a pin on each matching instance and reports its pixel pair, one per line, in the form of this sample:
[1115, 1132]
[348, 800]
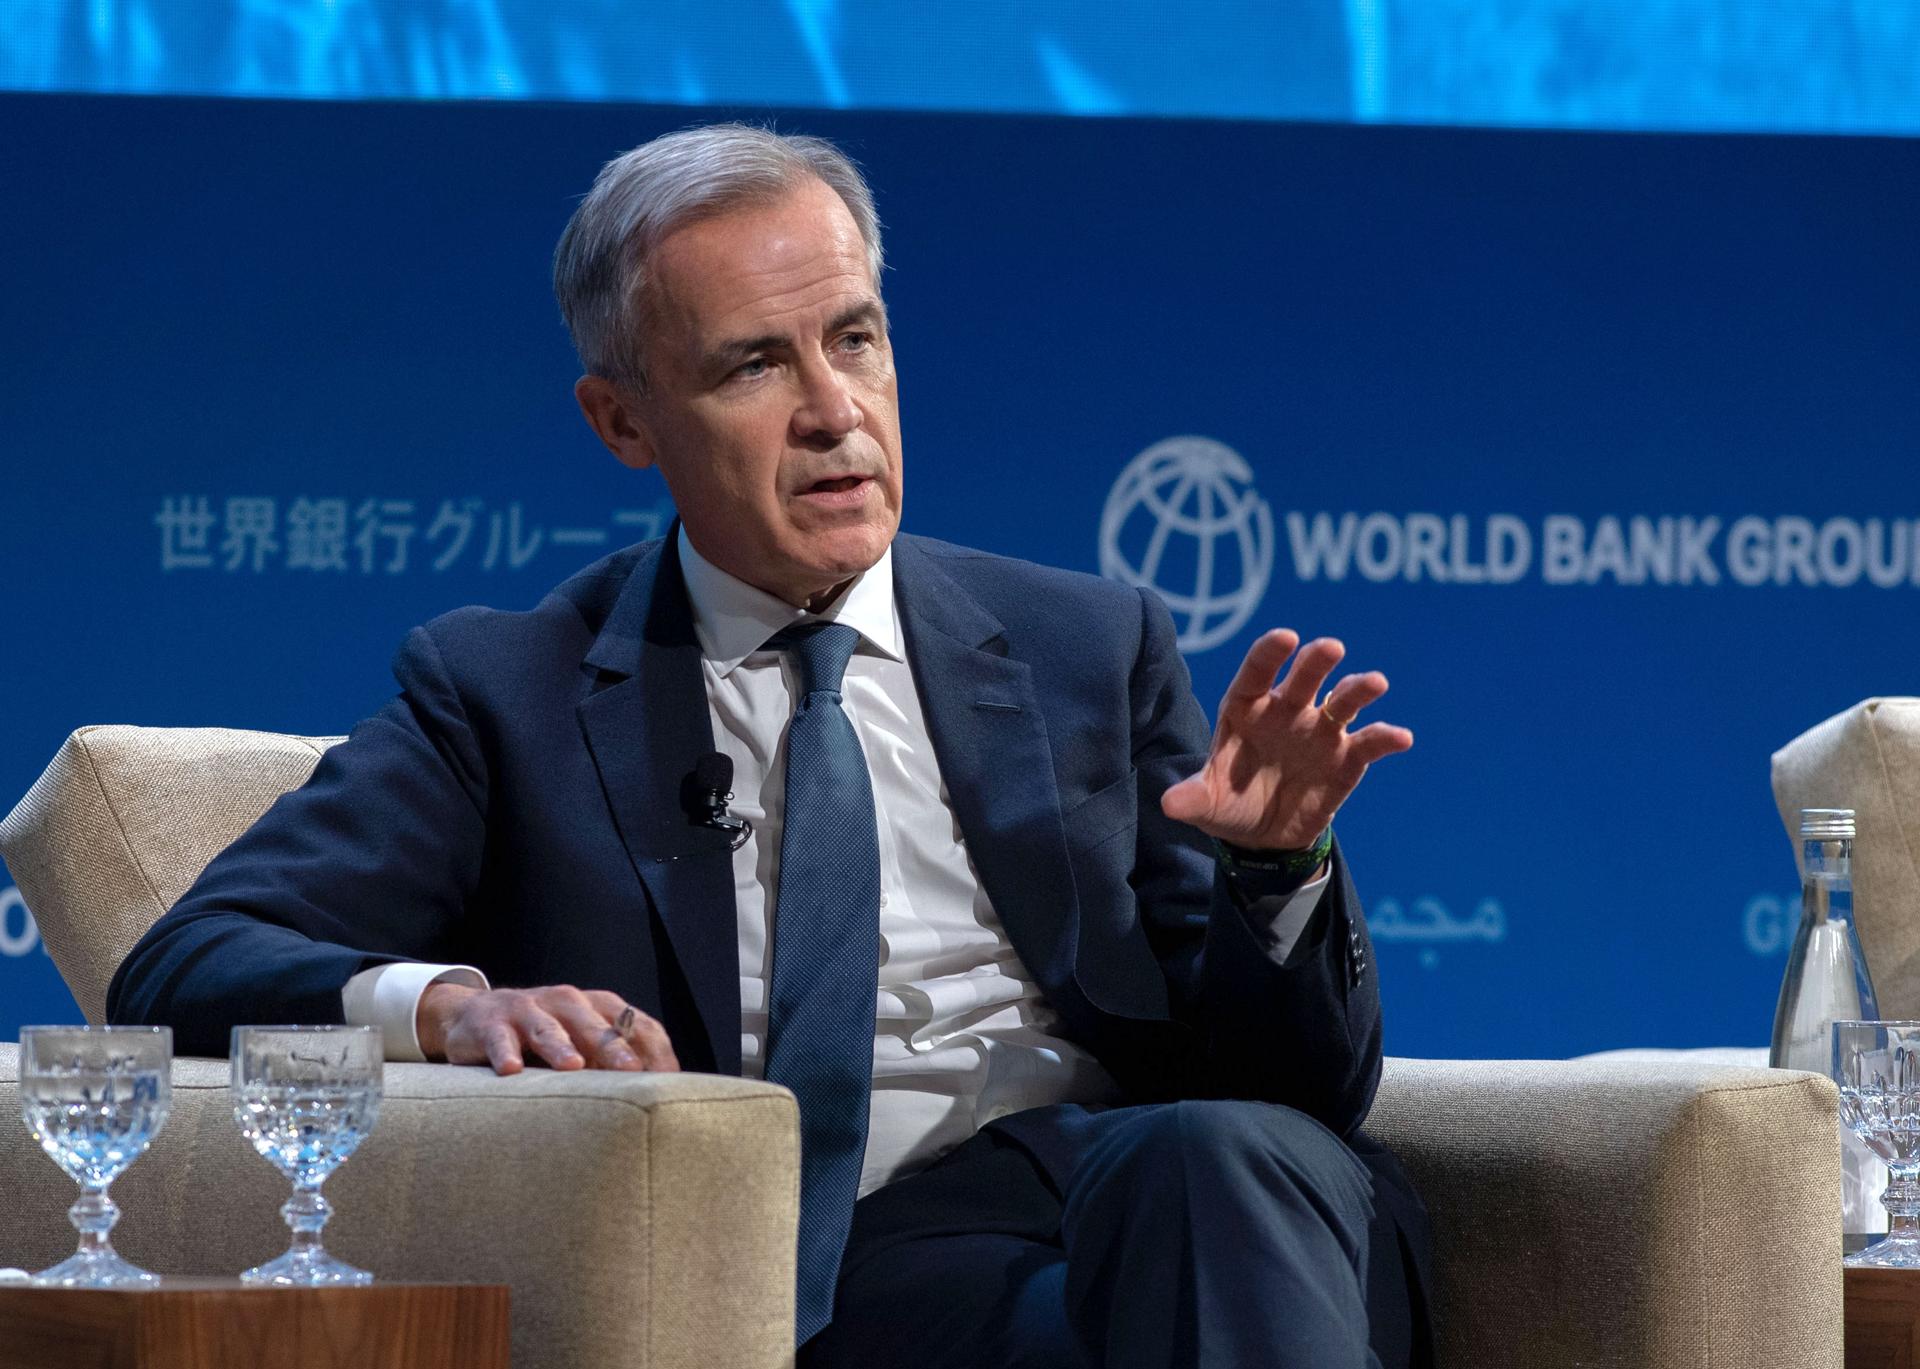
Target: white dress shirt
[962, 1034]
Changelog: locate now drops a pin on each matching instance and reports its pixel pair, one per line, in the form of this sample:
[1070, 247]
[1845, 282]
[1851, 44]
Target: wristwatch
[1276, 871]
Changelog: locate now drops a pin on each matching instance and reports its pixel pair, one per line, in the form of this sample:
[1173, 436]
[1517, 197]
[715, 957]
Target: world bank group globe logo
[1184, 520]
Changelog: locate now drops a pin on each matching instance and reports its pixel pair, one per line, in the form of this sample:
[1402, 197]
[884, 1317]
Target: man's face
[771, 406]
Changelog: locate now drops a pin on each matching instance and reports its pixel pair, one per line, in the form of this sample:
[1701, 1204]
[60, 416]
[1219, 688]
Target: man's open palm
[1282, 763]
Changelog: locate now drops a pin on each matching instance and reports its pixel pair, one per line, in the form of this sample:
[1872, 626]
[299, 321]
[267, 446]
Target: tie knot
[820, 652]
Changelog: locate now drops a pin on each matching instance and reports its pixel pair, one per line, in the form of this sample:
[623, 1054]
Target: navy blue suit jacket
[517, 807]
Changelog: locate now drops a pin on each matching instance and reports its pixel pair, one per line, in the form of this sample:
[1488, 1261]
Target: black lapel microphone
[706, 793]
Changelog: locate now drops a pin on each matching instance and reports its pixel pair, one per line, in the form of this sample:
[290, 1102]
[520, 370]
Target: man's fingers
[1308, 672]
[613, 1047]
[483, 1034]
[502, 1045]
[607, 1048]
[611, 1052]
[598, 1035]
[1352, 694]
[608, 1005]
[1185, 801]
[551, 1041]
[1375, 740]
[643, 1043]
[1264, 658]
[649, 1038]
[559, 1024]
[588, 1032]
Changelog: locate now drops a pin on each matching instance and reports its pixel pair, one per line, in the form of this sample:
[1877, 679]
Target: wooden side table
[1883, 1318]
[220, 1324]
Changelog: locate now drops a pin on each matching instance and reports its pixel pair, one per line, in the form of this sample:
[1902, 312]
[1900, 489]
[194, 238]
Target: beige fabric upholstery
[1625, 1214]
[643, 1221]
[1612, 1214]
[123, 820]
[1868, 759]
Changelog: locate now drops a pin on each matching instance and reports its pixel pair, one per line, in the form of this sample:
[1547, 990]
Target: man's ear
[614, 416]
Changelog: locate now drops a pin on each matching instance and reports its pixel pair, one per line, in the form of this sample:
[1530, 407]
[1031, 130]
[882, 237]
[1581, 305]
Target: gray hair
[600, 266]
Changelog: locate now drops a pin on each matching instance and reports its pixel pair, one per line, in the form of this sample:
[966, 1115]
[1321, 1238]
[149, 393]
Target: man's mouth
[839, 484]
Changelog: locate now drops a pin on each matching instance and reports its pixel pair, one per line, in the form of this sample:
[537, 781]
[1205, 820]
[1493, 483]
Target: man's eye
[856, 342]
[749, 369]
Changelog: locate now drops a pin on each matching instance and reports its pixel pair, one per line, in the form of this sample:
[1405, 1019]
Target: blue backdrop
[1602, 446]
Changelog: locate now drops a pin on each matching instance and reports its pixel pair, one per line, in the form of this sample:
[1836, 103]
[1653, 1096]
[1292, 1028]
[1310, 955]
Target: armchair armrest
[1625, 1213]
[641, 1220]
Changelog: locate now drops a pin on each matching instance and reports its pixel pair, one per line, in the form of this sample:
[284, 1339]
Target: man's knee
[1228, 1149]
[1232, 1132]
[1175, 1208]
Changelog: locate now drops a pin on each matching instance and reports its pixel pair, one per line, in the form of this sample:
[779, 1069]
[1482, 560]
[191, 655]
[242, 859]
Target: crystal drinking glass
[94, 1097]
[1877, 1066]
[306, 1097]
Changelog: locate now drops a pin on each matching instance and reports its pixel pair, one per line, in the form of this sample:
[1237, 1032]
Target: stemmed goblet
[94, 1098]
[1877, 1066]
[306, 1097]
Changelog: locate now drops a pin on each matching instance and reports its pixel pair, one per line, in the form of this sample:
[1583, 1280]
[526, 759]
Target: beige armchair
[1591, 1213]
[1867, 758]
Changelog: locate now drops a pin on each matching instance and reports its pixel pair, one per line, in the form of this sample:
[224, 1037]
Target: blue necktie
[826, 952]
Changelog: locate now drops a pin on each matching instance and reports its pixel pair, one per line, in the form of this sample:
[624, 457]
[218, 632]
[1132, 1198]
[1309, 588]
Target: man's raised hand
[1283, 761]
[566, 1027]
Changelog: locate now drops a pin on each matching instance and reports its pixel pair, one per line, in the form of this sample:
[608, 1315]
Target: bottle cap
[1826, 824]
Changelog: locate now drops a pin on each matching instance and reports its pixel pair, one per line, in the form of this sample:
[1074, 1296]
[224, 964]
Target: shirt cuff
[1283, 931]
[388, 997]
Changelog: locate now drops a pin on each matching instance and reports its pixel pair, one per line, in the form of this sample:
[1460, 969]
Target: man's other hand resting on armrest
[565, 1027]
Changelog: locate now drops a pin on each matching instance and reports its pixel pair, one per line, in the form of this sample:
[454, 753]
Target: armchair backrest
[124, 820]
[1868, 759]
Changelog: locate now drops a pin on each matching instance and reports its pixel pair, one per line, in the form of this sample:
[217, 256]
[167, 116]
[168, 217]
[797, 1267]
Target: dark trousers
[1177, 1234]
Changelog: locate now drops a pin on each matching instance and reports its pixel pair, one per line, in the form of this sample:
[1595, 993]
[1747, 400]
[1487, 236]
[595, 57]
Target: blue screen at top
[1779, 65]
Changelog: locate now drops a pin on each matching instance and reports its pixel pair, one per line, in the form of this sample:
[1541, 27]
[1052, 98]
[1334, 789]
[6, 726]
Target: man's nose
[827, 410]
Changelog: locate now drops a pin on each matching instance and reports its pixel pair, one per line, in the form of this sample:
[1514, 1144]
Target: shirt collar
[733, 619]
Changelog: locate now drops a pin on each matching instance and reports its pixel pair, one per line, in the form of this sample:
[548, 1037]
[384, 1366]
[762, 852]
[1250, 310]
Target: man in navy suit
[1126, 1026]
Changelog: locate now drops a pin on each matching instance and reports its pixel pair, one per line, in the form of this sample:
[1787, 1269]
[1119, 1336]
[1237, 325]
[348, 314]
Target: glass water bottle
[1827, 978]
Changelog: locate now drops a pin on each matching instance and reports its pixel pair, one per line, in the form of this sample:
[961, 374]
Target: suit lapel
[990, 739]
[646, 730]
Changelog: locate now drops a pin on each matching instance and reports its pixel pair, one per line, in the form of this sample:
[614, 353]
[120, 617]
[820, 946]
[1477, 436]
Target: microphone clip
[705, 795]
[723, 821]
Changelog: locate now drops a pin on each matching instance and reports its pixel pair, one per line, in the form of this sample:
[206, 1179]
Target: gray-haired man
[1078, 1007]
